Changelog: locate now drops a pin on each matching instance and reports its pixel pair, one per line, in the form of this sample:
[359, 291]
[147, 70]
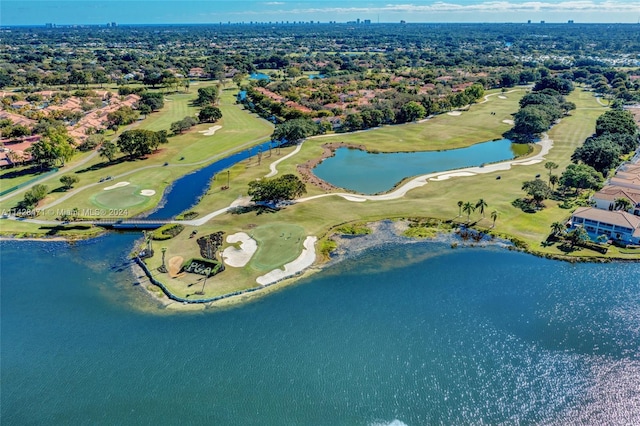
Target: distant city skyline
[78, 12]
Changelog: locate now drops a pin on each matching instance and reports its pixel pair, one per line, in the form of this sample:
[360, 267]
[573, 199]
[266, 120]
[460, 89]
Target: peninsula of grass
[435, 202]
[428, 210]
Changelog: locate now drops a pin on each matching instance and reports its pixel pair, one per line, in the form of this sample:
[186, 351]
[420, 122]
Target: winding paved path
[399, 192]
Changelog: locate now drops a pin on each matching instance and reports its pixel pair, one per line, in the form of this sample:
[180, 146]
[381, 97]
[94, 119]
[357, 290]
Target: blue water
[186, 191]
[259, 76]
[419, 333]
[370, 173]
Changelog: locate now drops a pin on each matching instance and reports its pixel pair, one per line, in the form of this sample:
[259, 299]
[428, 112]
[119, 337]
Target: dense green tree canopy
[581, 176]
[561, 85]
[206, 96]
[616, 121]
[54, 148]
[34, 195]
[601, 153]
[537, 189]
[295, 130]
[286, 187]
[209, 114]
[183, 125]
[152, 99]
[138, 142]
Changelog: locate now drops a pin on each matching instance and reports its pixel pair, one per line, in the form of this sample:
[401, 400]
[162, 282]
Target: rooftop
[617, 217]
[612, 193]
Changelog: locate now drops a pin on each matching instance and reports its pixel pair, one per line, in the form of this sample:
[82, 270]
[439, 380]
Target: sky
[39, 12]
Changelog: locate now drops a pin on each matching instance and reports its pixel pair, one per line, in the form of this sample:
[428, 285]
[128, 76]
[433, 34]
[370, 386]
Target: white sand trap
[528, 163]
[239, 257]
[511, 122]
[117, 185]
[306, 259]
[210, 131]
[354, 198]
[450, 175]
[147, 192]
[454, 113]
[502, 97]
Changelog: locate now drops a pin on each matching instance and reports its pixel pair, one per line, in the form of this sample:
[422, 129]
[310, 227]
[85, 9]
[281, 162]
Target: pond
[259, 76]
[371, 173]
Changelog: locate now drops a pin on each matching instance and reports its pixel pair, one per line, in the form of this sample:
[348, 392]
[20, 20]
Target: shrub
[327, 246]
[353, 229]
[167, 231]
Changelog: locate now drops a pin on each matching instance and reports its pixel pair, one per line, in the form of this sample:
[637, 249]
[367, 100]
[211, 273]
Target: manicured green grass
[443, 131]
[278, 243]
[436, 199]
[119, 198]
[183, 153]
[176, 107]
[18, 175]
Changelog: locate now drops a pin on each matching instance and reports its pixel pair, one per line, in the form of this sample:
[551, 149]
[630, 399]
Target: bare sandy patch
[175, 264]
[454, 113]
[239, 257]
[510, 122]
[210, 131]
[306, 259]
[355, 198]
[502, 97]
[147, 192]
[117, 185]
[450, 175]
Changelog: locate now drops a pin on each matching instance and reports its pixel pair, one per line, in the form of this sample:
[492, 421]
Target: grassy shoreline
[435, 199]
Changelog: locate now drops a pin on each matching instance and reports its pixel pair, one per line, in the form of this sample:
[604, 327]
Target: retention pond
[371, 173]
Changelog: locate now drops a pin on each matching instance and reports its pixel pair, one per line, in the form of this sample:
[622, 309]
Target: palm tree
[550, 165]
[494, 217]
[579, 234]
[558, 228]
[553, 180]
[460, 203]
[468, 208]
[622, 204]
[481, 204]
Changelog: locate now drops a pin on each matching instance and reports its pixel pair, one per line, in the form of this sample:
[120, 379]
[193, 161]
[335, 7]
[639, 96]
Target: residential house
[605, 198]
[617, 225]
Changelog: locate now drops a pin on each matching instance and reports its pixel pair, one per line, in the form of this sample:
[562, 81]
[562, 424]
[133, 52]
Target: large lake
[371, 173]
[411, 334]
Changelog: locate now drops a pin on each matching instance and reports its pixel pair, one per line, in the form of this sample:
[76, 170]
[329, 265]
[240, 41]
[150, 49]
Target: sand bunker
[210, 131]
[117, 185]
[510, 122]
[502, 97]
[147, 192]
[454, 113]
[175, 264]
[355, 198]
[306, 259]
[450, 175]
[239, 257]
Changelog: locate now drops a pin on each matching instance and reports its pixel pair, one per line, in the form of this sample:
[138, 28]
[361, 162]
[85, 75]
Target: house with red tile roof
[605, 198]
[17, 119]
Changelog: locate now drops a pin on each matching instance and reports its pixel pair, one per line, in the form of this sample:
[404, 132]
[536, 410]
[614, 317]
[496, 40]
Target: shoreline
[384, 232]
